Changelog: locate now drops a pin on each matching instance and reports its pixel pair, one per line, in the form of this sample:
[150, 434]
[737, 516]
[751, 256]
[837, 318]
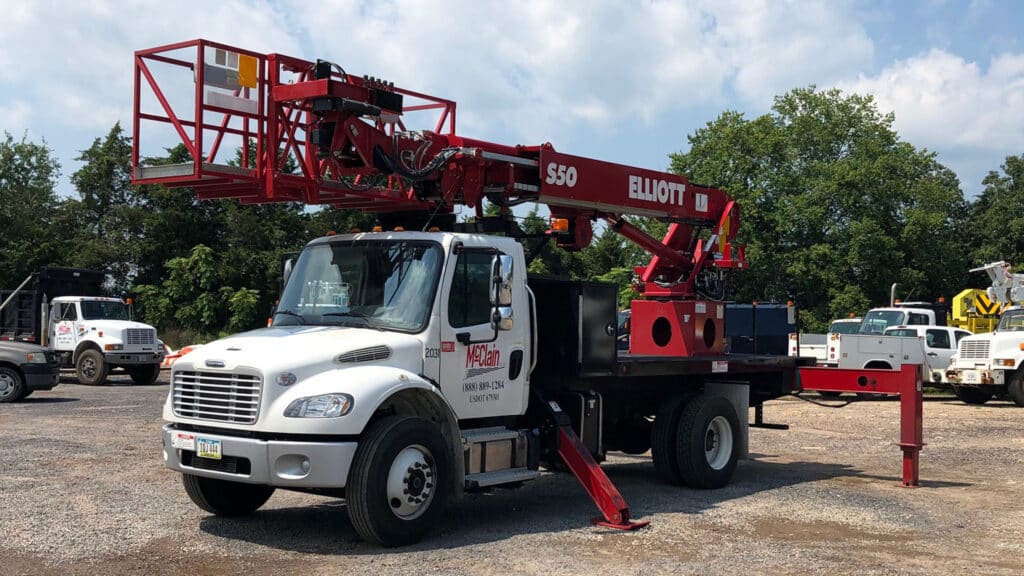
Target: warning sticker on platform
[720, 366]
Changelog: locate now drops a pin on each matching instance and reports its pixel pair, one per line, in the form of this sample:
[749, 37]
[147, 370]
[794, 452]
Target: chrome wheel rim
[6, 385]
[411, 482]
[718, 442]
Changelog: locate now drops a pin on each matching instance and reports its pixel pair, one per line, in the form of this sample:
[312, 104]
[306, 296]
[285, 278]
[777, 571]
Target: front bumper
[279, 463]
[976, 377]
[41, 376]
[122, 358]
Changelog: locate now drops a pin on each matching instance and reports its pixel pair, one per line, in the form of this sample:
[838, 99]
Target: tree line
[835, 208]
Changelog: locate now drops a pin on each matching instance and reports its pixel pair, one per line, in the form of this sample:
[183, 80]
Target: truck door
[483, 372]
[64, 326]
[938, 348]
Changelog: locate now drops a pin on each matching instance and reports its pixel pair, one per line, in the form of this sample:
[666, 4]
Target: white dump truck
[59, 308]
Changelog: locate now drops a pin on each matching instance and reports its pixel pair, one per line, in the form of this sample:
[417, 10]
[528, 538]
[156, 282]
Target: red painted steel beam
[609, 501]
[906, 382]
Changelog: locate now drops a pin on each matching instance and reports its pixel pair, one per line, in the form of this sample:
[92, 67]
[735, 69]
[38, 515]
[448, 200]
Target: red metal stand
[905, 382]
[593, 479]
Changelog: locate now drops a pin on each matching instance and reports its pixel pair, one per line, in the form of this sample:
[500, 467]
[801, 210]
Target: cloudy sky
[624, 81]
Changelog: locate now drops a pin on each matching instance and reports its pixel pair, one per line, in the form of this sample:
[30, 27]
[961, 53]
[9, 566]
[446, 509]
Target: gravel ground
[83, 491]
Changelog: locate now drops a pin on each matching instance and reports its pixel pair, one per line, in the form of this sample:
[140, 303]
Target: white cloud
[969, 114]
[14, 117]
[522, 72]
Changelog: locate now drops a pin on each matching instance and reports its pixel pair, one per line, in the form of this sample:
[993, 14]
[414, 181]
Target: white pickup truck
[816, 345]
[930, 346]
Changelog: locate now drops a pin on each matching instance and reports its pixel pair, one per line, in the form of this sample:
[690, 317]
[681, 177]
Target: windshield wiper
[302, 319]
[364, 317]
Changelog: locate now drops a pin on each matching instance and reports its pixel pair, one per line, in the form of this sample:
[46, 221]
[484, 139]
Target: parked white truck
[816, 345]
[58, 308]
[990, 364]
[404, 368]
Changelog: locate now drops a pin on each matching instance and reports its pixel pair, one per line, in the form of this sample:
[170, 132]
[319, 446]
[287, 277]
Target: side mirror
[501, 319]
[501, 280]
[286, 271]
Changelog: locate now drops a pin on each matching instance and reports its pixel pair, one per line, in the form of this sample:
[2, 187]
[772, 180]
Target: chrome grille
[973, 349]
[366, 354]
[138, 336]
[217, 396]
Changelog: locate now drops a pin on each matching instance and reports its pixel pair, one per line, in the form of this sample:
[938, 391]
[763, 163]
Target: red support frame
[906, 382]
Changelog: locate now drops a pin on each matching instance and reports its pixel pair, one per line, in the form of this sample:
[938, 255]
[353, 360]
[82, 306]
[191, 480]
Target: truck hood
[307, 349]
[114, 327]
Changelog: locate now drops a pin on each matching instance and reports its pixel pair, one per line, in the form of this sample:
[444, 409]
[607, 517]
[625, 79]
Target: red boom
[315, 134]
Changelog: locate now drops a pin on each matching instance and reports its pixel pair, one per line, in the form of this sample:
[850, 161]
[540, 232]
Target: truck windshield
[876, 321]
[844, 327]
[385, 284]
[1011, 321]
[104, 310]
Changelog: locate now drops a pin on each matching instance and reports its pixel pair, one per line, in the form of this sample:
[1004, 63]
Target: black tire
[225, 498]
[12, 385]
[971, 395]
[387, 504]
[663, 440]
[1016, 388]
[91, 368]
[143, 374]
[827, 394]
[707, 442]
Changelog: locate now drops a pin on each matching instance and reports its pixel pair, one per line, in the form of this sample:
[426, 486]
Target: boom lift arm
[319, 135]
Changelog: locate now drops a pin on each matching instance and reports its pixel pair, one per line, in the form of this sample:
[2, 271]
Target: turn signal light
[560, 224]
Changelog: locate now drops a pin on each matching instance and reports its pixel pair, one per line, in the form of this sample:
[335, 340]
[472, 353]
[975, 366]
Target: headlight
[113, 346]
[1004, 362]
[323, 406]
[36, 358]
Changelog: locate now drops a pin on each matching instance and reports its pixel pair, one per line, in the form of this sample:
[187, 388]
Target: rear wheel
[225, 498]
[663, 440]
[12, 385]
[91, 368]
[399, 482]
[144, 374]
[707, 441]
[1016, 388]
[971, 395]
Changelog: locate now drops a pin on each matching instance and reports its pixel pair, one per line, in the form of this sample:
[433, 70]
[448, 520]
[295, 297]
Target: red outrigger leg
[906, 382]
[609, 501]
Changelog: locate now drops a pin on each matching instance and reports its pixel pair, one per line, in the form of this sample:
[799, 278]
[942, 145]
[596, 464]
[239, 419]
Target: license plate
[208, 448]
[971, 377]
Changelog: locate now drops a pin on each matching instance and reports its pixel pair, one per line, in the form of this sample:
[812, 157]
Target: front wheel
[12, 386]
[91, 368]
[399, 482]
[971, 395]
[225, 498]
[707, 442]
[1016, 388]
[144, 374]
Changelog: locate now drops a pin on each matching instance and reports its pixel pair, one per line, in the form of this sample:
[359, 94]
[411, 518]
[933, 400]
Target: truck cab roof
[85, 299]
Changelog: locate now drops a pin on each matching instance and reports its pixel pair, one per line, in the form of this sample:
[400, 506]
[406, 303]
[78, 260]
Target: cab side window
[68, 311]
[938, 339]
[917, 319]
[469, 302]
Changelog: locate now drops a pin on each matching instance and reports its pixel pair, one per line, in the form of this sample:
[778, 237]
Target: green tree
[835, 207]
[28, 209]
[196, 296]
[997, 217]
